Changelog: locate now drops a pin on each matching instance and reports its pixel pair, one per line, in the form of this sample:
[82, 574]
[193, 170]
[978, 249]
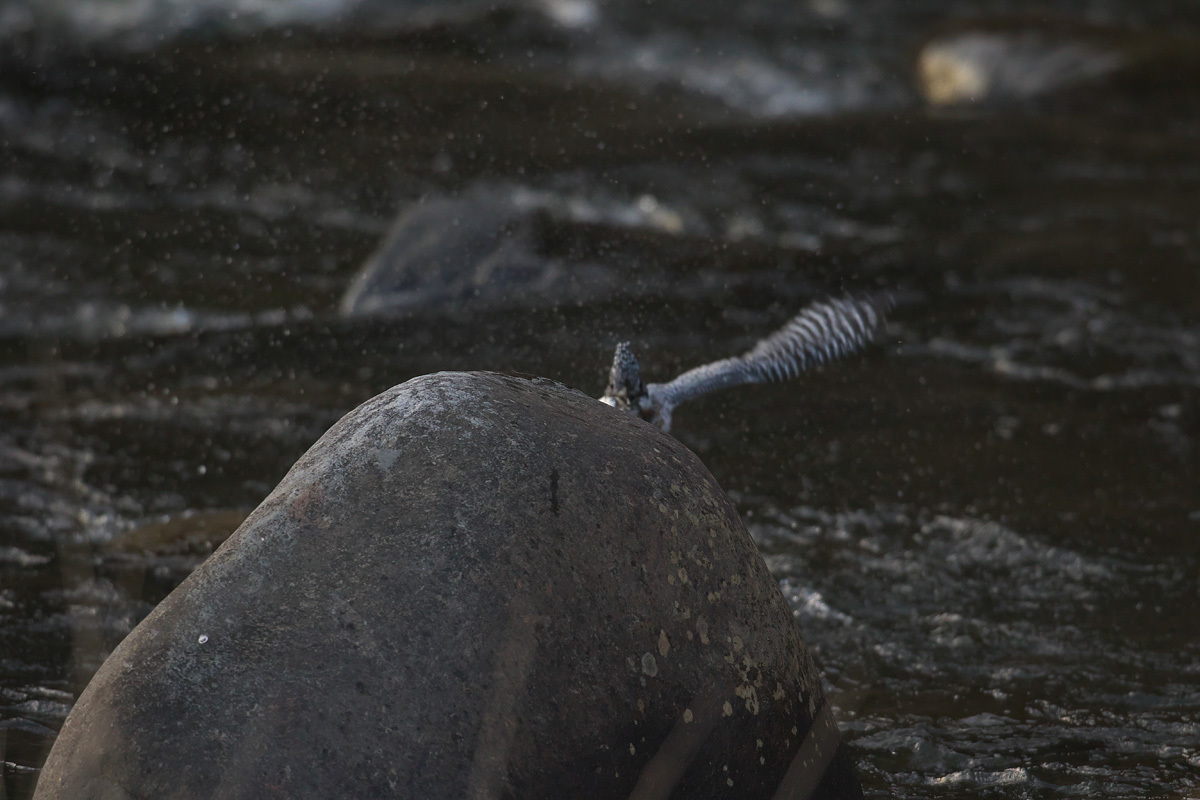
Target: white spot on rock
[649, 665]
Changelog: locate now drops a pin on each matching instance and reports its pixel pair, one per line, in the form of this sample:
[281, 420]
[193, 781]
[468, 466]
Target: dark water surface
[987, 525]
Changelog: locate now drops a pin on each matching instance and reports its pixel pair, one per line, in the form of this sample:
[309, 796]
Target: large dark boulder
[473, 586]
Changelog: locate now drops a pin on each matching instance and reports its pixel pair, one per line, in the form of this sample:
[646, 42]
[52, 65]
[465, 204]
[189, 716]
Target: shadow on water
[986, 526]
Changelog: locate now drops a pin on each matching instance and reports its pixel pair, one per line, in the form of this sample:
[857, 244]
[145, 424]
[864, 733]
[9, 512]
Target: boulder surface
[472, 586]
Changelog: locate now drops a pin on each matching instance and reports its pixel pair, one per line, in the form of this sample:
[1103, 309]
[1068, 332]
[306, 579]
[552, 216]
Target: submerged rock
[484, 247]
[513, 245]
[449, 250]
[471, 586]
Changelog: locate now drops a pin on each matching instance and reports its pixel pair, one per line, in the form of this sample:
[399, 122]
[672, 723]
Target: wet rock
[1018, 59]
[448, 249]
[517, 245]
[471, 586]
[483, 247]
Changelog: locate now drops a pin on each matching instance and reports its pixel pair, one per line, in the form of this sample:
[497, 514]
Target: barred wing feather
[821, 332]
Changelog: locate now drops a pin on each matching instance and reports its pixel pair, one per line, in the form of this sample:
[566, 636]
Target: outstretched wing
[821, 332]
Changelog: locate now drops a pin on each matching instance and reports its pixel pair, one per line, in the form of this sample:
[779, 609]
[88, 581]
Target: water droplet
[649, 665]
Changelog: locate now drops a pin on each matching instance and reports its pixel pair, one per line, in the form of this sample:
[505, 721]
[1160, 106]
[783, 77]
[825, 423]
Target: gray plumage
[625, 388]
[820, 333]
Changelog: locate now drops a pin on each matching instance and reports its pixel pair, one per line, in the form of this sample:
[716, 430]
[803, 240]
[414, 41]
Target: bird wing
[821, 332]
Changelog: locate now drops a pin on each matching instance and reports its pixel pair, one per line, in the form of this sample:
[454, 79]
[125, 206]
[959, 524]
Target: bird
[821, 332]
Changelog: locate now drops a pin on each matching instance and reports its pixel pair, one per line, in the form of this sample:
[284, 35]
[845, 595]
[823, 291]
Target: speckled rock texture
[473, 586]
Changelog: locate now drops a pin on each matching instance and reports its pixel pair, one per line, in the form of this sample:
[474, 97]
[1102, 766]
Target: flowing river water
[987, 525]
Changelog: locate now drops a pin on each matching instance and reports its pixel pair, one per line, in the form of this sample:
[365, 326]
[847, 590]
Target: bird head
[625, 389]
